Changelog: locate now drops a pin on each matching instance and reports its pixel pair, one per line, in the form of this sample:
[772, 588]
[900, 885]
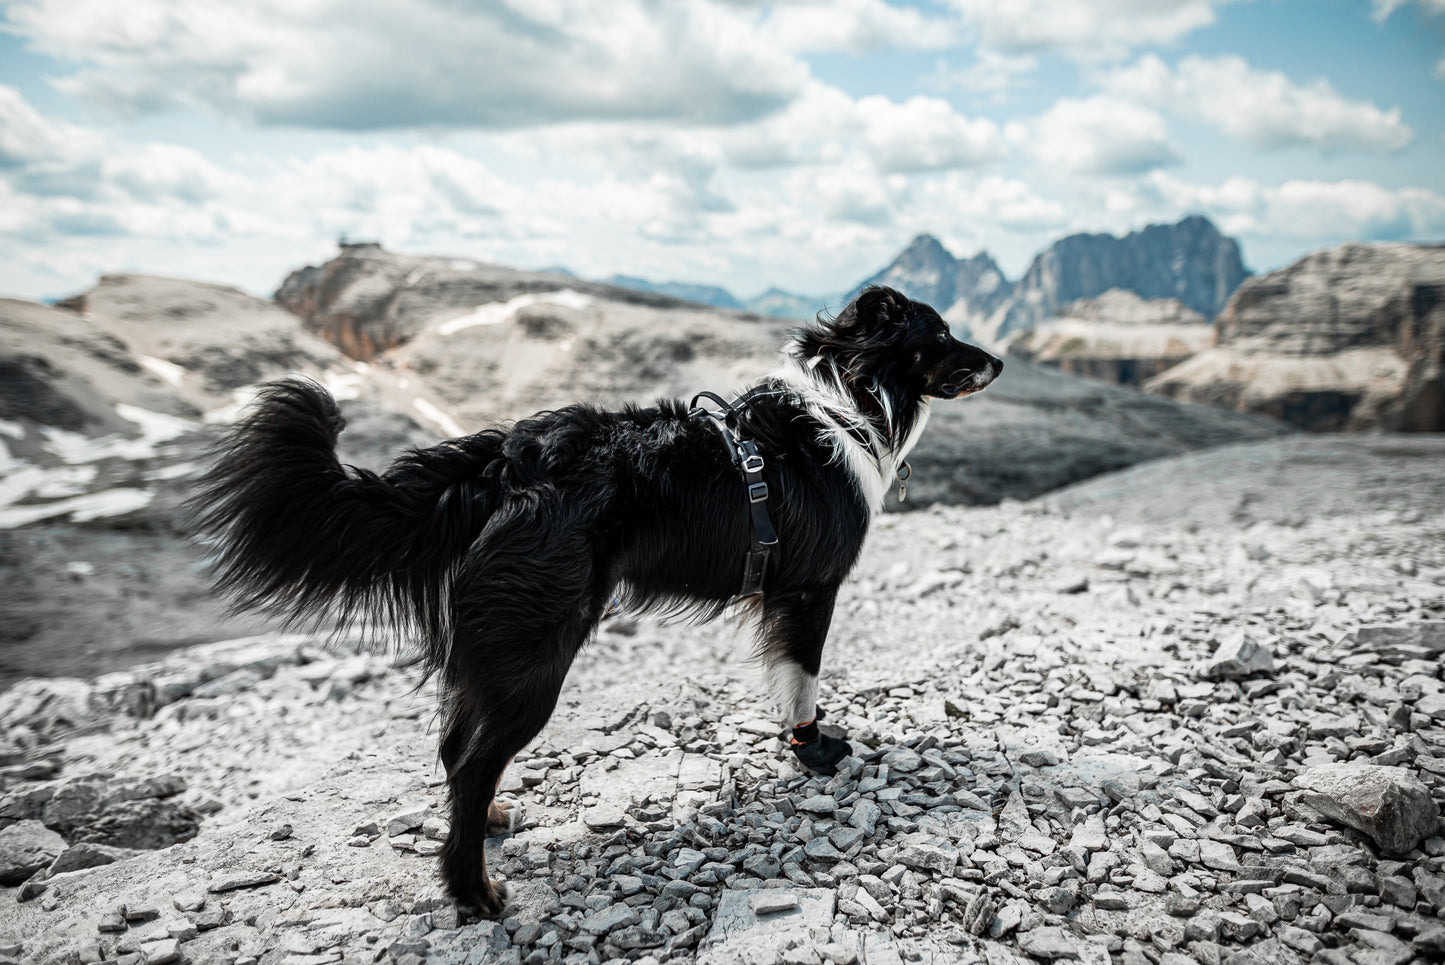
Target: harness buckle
[753, 463]
[758, 492]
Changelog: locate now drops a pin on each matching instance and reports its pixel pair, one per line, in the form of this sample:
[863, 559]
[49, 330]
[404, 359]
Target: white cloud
[992, 201]
[1098, 135]
[991, 72]
[1354, 209]
[826, 126]
[851, 193]
[1432, 8]
[857, 25]
[1263, 108]
[812, 129]
[406, 63]
[26, 138]
[1316, 213]
[1100, 29]
[71, 180]
[159, 172]
[398, 195]
[1383, 8]
[925, 133]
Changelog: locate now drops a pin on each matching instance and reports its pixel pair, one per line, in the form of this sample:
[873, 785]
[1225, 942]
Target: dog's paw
[490, 902]
[822, 755]
[504, 818]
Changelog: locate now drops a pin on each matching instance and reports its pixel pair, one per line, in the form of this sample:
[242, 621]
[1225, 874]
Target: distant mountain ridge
[714, 295]
[775, 302]
[1190, 261]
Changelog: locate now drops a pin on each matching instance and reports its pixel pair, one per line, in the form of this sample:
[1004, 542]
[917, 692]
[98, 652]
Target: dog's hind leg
[525, 604]
[792, 632]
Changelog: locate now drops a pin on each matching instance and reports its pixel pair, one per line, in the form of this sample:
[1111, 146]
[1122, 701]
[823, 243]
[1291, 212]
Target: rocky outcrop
[1347, 338]
[60, 371]
[106, 409]
[1037, 429]
[367, 300]
[1117, 337]
[1190, 261]
[203, 341]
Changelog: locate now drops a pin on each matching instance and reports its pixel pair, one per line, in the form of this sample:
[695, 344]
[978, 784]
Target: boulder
[25, 848]
[78, 857]
[1387, 803]
[143, 825]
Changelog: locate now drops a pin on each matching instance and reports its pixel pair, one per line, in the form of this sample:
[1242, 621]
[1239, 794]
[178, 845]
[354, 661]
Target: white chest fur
[826, 399]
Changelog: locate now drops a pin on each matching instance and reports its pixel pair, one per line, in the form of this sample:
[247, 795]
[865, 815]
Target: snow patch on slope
[496, 313]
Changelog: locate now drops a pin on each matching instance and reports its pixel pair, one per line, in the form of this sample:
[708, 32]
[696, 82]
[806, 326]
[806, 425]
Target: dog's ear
[878, 307]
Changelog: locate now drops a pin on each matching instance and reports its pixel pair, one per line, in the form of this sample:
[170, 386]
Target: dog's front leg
[793, 630]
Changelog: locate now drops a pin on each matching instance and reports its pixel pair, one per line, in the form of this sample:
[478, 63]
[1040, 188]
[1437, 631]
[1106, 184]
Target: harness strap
[745, 456]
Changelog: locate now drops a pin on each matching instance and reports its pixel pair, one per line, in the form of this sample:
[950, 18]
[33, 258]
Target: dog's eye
[943, 336]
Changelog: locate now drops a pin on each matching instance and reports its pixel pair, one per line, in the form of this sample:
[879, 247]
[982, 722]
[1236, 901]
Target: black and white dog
[502, 550]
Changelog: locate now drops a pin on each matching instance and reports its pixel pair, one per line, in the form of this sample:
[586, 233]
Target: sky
[795, 144]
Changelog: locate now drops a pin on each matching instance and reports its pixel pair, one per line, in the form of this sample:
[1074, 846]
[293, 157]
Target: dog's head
[885, 337]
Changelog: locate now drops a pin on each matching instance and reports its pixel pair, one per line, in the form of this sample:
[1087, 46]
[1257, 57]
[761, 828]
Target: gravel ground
[1188, 712]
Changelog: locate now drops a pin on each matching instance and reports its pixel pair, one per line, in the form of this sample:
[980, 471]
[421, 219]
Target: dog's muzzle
[967, 381]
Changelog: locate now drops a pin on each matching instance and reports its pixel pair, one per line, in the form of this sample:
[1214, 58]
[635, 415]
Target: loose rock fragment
[234, 880]
[772, 902]
[1387, 803]
[1238, 657]
[1049, 944]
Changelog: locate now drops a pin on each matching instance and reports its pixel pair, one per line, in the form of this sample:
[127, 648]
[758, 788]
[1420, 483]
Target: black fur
[501, 550]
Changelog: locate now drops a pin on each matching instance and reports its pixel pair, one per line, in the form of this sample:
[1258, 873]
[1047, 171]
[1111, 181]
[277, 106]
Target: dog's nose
[997, 367]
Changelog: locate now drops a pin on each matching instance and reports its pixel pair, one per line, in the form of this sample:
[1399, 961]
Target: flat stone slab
[652, 776]
[237, 880]
[740, 928]
[772, 902]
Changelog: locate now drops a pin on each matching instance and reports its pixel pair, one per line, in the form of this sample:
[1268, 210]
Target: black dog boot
[817, 751]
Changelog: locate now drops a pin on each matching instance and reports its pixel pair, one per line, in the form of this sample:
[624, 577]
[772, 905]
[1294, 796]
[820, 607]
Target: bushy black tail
[298, 534]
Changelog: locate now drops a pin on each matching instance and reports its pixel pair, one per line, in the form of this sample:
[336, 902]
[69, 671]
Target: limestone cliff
[1348, 338]
[367, 300]
[1117, 337]
[1190, 261]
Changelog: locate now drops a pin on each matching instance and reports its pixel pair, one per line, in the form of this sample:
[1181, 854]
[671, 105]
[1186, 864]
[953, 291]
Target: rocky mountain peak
[1190, 261]
[963, 290]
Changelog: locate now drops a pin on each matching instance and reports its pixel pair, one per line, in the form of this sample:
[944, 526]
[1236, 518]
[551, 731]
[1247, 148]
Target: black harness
[745, 456]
